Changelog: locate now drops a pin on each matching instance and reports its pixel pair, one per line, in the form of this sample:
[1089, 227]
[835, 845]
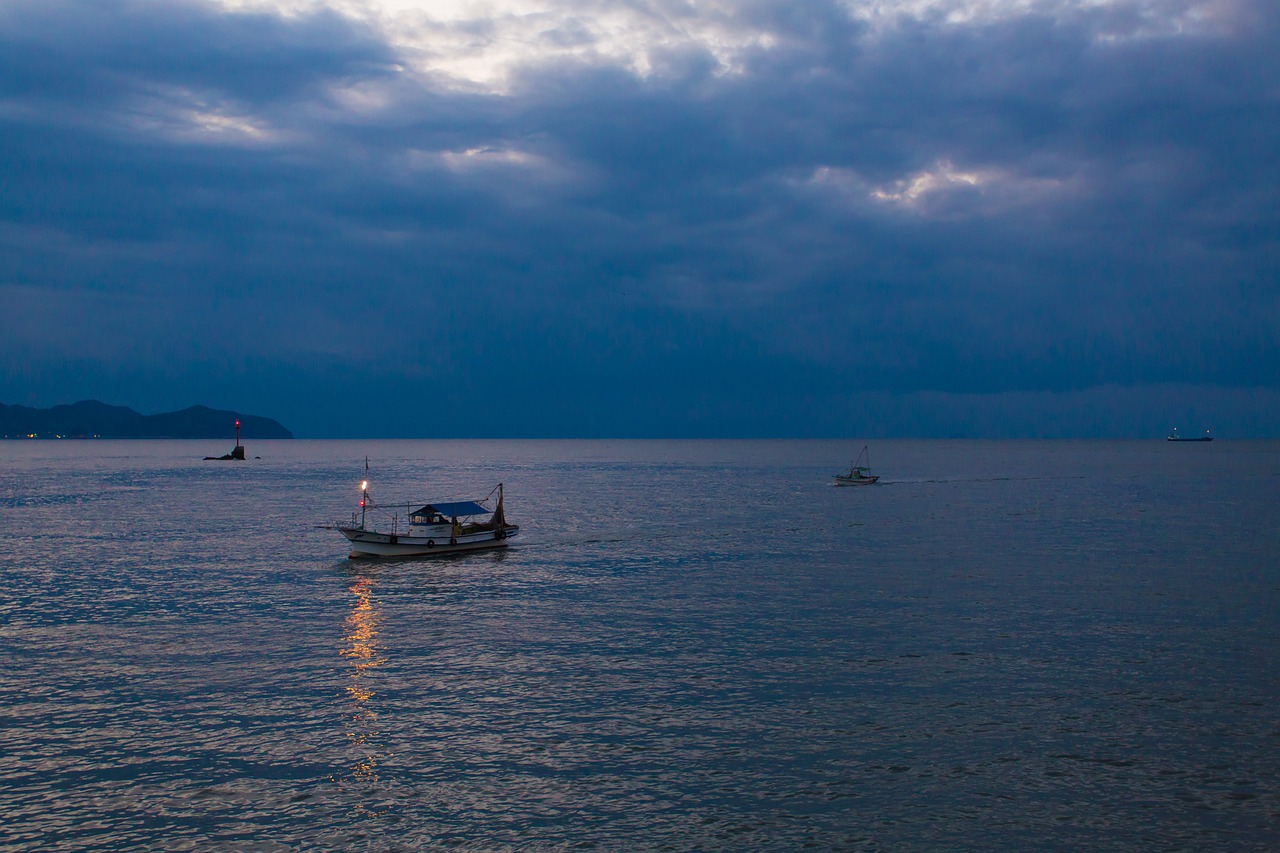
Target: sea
[690, 645]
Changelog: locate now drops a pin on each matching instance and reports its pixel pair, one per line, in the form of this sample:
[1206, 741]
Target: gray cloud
[258, 205]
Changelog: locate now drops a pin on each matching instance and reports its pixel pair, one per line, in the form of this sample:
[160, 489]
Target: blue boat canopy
[458, 508]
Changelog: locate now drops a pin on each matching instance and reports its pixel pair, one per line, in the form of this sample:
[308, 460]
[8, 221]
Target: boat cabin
[443, 513]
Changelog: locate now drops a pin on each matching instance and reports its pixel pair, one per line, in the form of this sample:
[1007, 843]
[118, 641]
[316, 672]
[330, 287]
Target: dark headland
[92, 419]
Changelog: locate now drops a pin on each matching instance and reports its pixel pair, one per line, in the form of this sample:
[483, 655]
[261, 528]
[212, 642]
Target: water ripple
[712, 651]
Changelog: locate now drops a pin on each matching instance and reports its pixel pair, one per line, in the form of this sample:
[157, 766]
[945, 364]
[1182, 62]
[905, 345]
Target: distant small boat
[440, 527]
[1173, 436]
[859, 474]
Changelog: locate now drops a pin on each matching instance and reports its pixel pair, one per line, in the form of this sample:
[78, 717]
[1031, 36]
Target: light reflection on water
[360, 647]
[692, 645]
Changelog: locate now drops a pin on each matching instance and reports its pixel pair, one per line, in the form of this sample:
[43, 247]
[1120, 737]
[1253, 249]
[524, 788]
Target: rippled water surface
[692, 645]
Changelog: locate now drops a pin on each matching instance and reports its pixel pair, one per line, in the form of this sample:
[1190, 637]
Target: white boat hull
[855, 481]
[371, 543]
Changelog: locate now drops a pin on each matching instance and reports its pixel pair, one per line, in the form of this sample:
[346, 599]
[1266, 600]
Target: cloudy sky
[647, 217]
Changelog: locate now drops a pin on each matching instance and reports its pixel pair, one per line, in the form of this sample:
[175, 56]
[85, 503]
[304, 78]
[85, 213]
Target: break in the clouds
[662, 218]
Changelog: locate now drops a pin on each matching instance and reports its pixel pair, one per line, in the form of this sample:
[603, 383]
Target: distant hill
[92, 419]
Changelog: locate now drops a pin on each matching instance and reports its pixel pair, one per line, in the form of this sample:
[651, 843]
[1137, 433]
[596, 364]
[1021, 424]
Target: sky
[904, 218]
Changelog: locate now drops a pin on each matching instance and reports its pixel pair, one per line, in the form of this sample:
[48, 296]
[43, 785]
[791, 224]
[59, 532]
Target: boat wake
[921, 481]
[563, 543]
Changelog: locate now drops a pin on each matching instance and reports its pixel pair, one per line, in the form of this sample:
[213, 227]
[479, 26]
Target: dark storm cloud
[1120, 237]
[257, 204]
[96, 54]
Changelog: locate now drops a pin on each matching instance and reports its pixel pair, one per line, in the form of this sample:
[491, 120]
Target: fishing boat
[859, 473]
[1173, 436]
[428, 529]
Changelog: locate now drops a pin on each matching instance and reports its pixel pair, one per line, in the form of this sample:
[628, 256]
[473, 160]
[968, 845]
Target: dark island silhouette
[93, 419]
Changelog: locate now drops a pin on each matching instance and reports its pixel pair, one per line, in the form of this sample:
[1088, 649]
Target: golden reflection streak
[360, 646]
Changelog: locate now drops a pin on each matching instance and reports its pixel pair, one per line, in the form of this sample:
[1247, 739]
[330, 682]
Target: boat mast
[364, 492]
[499, 517]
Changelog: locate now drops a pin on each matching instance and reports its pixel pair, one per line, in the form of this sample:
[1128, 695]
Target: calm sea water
[692, 645]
